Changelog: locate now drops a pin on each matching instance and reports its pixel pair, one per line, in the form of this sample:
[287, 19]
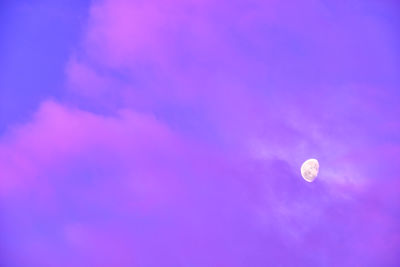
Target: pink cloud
[124, 31]
[181, 136]
[59, 135]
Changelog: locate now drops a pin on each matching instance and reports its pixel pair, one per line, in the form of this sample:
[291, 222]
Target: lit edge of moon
[309, 170]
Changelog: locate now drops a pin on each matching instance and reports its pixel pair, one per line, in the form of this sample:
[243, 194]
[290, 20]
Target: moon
[309, 170]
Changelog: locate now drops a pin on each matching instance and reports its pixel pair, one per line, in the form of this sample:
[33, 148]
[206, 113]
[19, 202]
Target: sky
[171, 133]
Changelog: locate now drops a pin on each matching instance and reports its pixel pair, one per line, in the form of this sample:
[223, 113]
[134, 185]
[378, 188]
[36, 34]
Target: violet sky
[171, 133]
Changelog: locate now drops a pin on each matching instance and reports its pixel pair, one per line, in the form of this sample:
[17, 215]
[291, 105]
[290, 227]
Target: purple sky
[171, 133]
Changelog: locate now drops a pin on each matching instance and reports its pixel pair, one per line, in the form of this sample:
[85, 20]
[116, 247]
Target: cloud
[58, 134]
[181, 133]
[130, 184]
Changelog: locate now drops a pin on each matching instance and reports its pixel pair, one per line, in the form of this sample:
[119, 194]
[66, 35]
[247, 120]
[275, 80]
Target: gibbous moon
[309, 170]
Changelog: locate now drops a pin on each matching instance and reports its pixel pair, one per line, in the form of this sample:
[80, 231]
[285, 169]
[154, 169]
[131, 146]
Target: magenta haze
[171, 133]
